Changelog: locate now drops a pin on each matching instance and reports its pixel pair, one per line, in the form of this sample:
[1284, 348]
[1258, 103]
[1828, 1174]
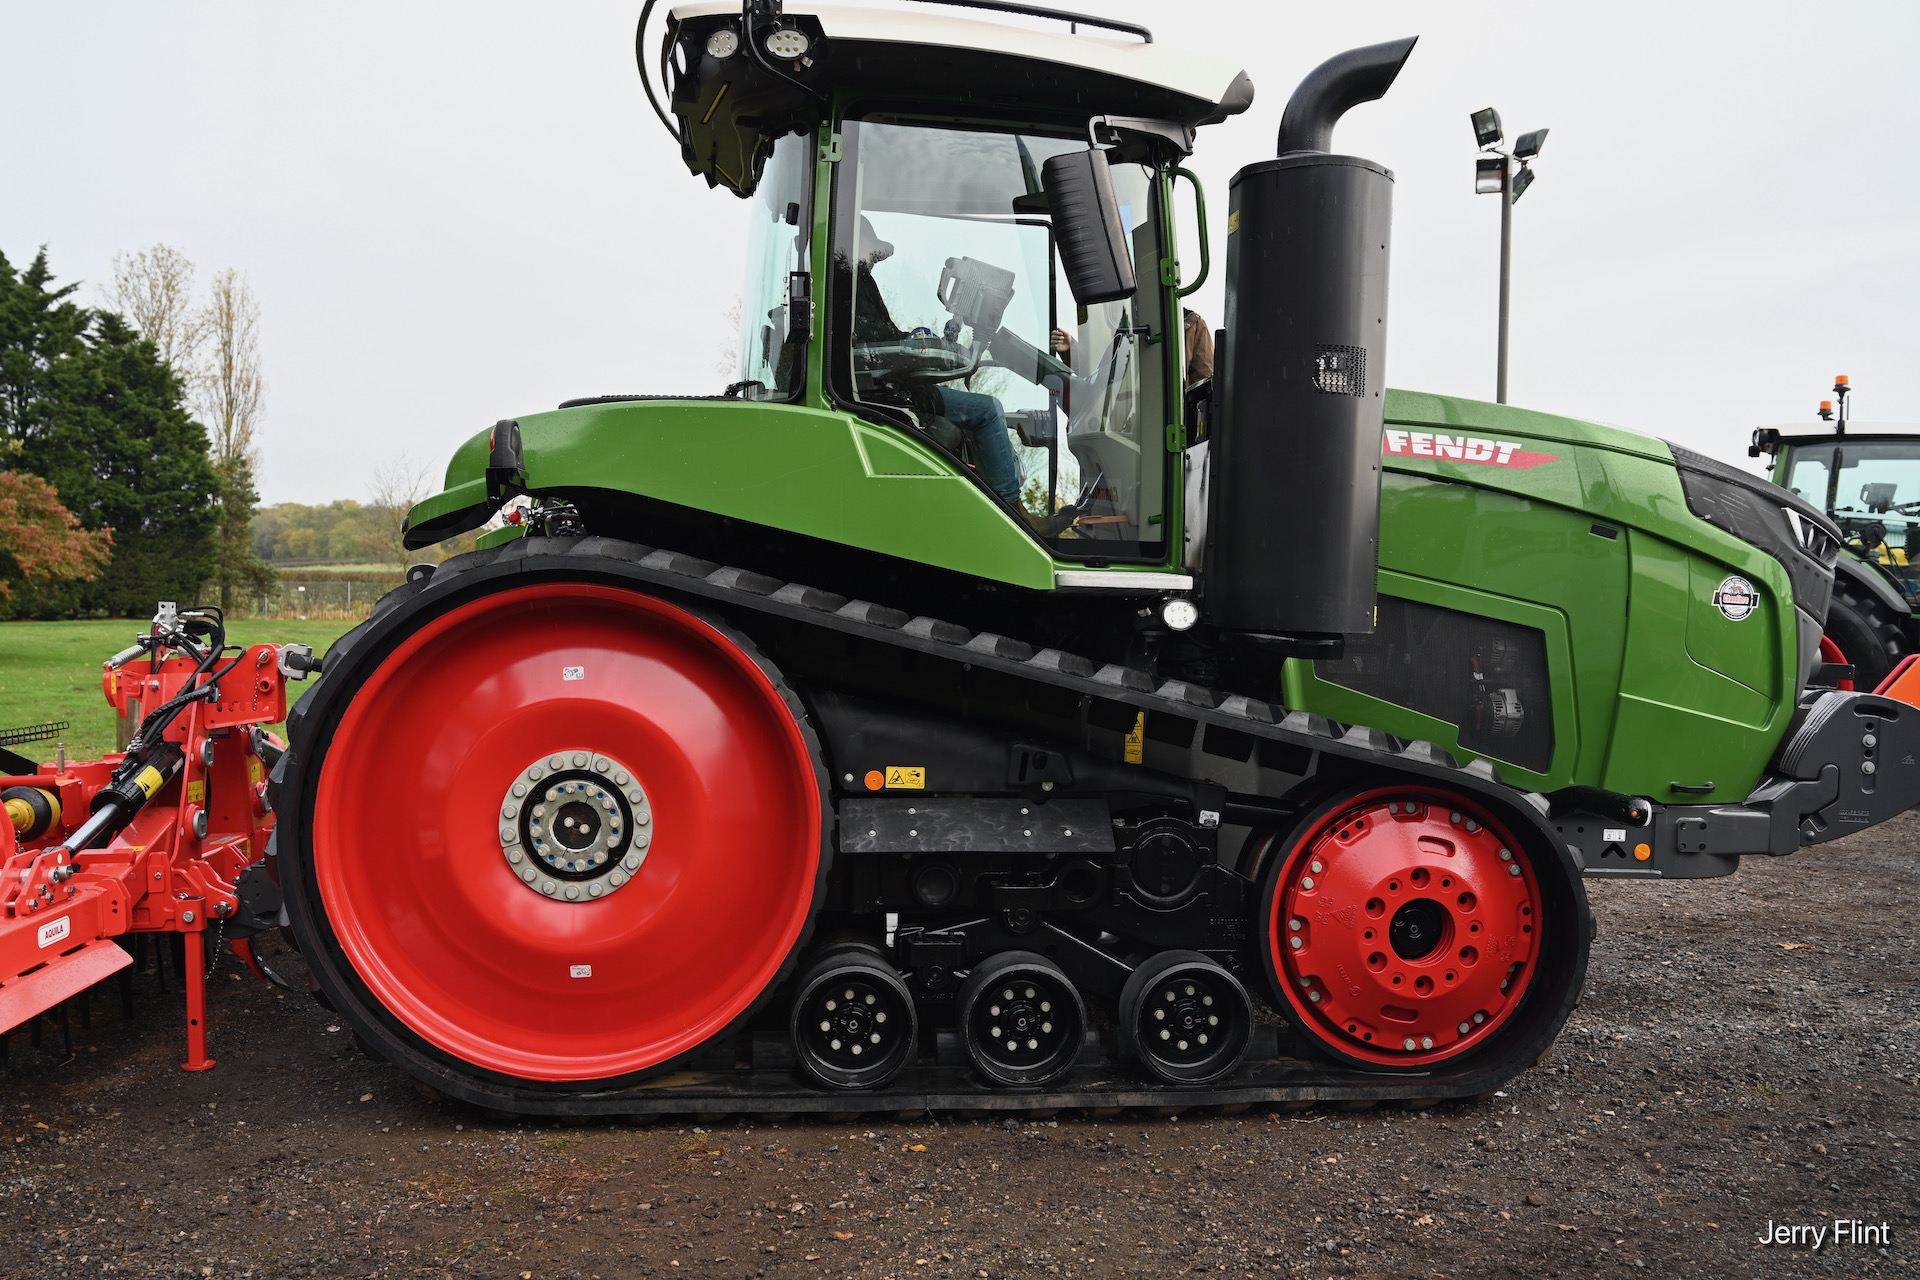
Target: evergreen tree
[88, 405]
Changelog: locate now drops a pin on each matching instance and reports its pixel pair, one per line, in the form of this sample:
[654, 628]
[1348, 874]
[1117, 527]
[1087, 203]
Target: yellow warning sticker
[911, 777]
[1137, 739]
[1233, 222]
[255, 770]
[196, 791]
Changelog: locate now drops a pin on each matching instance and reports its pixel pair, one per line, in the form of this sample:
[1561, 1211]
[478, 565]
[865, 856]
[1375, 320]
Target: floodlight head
[1486, 128]
[1489, 175]
[1521, 181]
[1529, 144]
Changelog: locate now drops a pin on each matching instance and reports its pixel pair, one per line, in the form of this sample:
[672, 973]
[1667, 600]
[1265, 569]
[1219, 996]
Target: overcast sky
[456, 213]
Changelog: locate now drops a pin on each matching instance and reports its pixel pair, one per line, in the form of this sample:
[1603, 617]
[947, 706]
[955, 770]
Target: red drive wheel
[566, 832]
[1402, 927]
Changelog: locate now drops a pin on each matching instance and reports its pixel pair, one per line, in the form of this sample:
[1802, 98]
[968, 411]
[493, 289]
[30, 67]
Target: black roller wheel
[853, 1021]
[1020, 1019]
[1184, 1018]
[1871, 636]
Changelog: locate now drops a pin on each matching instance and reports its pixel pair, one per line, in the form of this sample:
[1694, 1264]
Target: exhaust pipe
[1294, 522]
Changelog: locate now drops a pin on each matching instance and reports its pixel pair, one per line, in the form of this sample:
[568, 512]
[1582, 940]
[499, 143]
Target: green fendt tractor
[1867, 480]
[961, 712]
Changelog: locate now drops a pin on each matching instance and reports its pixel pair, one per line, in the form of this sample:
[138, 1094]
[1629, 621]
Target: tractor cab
[908, 262]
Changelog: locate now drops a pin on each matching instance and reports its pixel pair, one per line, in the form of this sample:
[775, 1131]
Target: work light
[1489, 175]
[1486, 128]
[1529, 144]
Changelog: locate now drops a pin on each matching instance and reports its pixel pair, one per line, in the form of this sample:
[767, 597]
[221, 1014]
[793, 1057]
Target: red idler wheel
[1402, 927]
[505, 769]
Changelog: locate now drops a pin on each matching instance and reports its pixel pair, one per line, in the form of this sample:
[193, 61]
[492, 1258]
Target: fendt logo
[1438, 444]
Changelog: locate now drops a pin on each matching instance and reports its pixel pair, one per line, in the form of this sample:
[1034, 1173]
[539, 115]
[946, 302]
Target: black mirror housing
[1086, 223]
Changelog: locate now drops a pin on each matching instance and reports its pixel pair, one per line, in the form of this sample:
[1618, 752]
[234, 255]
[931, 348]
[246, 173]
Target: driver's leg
[981, 417]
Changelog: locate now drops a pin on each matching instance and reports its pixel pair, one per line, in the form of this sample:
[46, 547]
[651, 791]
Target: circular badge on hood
[1736, 598]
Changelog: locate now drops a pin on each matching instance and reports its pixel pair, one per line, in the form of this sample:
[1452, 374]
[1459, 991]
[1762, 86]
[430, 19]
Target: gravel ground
[1747, 1056]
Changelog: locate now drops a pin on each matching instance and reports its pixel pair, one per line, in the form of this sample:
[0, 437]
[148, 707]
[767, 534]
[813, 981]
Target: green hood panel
[1504, 421]
[826, 475]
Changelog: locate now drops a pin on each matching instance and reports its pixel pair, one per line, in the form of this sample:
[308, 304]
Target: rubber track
[678, 574]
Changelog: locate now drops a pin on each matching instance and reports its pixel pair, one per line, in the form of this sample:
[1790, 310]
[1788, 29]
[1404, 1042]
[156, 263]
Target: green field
[51, 671]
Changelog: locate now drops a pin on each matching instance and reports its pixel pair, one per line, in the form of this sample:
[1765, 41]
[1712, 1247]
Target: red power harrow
[167, 837]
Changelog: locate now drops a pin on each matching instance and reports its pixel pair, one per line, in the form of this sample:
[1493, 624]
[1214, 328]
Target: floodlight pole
[1506, 272]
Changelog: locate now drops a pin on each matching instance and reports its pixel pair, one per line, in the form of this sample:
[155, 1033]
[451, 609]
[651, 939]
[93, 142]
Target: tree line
[127, 439]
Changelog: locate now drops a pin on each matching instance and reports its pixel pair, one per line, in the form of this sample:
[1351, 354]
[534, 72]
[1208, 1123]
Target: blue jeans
[982, 418]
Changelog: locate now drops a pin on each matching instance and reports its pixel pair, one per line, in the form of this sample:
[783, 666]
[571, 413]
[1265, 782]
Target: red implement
[94, 850]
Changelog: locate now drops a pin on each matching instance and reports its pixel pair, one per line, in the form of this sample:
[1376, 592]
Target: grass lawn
[51, 671]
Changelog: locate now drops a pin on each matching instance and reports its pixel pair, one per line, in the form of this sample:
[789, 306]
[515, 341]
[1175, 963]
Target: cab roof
[1104, 72]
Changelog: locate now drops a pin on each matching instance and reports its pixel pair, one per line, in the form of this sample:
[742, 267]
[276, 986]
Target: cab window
[772, 349]
[949, 289]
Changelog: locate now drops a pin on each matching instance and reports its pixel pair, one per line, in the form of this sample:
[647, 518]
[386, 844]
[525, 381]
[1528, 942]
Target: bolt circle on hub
[575, 825]
[1402, 927]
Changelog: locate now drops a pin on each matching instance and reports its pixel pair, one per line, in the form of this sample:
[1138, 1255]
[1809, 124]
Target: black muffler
[1294, 523]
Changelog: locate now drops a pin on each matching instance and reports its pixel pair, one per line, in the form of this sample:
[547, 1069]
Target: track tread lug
[1067, 664]
[1125, 677]
[757, 584]
[874, 615]
[1239, 704]
[806, 597]
[999, 646]
[678, 562]
[926, 628]
[1184, 691]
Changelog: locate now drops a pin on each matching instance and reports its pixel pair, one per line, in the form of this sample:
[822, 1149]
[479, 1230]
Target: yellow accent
[149, 780]
[1642, 852]
[1233, 222]
[1137, 739]
[21, 813]
[197, 791]
[716, 102]
[909, 777]
[255, 770]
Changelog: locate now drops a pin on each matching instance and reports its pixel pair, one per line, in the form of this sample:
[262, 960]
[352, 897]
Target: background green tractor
[962, 711]
[1866, 476]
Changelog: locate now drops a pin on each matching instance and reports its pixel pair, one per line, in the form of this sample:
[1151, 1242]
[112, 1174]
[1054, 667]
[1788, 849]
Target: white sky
[456, 213]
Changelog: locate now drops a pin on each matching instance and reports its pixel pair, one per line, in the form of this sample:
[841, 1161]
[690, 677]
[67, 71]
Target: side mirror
[1086, 225]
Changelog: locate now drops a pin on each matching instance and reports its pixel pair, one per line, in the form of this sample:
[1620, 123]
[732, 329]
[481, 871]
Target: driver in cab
[980, 416]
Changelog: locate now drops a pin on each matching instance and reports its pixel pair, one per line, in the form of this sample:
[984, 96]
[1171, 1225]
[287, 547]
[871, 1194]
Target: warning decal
[1137, 739]
[910, 777]
[1438, 444]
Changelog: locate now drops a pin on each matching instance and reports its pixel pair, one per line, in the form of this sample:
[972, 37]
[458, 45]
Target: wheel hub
[1405, 928]
[575, 826]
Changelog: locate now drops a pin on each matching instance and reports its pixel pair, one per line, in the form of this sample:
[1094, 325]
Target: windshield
[772, 351]
[1871, 489]
[961, 322]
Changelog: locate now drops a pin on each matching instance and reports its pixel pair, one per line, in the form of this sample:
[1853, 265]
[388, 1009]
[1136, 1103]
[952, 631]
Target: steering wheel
[922, 356]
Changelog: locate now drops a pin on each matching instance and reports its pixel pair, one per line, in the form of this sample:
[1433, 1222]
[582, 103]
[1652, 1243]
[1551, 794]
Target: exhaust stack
[1295, 517]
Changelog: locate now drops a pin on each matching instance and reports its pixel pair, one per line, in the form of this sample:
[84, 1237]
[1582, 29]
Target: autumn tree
[41, 542]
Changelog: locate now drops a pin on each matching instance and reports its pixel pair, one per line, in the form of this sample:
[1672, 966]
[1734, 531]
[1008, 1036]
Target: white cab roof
[1195, 75]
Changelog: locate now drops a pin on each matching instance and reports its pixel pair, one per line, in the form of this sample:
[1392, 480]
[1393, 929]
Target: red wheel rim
[408, 861]
[1405, 927]
[1831, 652]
